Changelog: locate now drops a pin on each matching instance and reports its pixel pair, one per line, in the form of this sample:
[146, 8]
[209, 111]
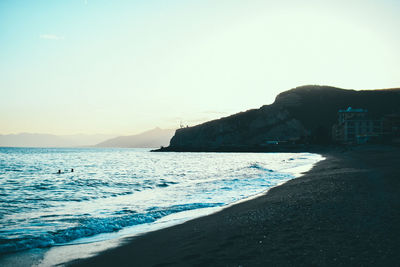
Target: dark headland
[298, 120]
[344, 212]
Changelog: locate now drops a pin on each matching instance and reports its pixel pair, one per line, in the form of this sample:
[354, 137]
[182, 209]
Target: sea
[60, 204]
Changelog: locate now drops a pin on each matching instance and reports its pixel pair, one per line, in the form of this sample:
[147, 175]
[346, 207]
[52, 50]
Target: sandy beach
[344, 212]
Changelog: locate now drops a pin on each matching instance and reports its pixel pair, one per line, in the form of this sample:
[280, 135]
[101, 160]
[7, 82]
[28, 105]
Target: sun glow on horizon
[128, 66]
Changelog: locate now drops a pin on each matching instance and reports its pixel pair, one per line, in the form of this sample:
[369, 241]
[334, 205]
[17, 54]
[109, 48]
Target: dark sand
[344, 212]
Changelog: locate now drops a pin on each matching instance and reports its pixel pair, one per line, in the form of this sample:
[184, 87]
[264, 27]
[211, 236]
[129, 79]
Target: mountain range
[51, 140]
[150, 139]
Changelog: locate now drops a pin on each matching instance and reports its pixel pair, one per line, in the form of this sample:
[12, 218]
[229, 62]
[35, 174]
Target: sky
[123, 67]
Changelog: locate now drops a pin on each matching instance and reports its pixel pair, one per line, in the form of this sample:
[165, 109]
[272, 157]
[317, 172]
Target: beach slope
[344, 212]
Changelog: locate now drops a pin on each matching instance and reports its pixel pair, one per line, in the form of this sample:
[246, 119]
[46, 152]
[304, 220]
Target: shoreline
[344, 211]
[99, 247]
[291, 148]
[88, 246]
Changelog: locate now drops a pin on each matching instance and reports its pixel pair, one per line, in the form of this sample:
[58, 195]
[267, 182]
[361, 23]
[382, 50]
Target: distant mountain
[150, 139]
[304, 113]
[50, 140]
[87, 139]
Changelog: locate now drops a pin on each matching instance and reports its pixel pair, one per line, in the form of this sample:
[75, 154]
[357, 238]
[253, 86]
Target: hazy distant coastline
[153, 138]
[51, 140]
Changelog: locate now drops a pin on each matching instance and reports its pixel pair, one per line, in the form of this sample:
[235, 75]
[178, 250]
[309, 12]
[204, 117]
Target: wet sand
[344, 212]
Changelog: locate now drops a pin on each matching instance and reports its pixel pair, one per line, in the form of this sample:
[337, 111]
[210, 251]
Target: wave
[90, 226]
[165, 183]
[259, 167]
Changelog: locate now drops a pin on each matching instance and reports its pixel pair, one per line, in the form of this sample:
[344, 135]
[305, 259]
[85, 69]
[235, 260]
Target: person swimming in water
[59, 171]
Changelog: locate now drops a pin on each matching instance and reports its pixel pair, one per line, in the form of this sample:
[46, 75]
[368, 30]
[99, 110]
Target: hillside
[153, 138]
[303, 113]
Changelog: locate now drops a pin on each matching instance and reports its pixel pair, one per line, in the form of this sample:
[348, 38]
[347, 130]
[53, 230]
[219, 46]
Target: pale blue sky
[122, 67]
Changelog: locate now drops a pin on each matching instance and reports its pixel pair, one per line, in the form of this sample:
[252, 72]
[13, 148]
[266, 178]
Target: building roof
[352, 110]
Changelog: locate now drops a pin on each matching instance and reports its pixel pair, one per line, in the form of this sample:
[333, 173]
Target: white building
[355, 127]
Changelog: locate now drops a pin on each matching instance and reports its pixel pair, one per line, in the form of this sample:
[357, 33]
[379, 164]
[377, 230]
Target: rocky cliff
[304, 115]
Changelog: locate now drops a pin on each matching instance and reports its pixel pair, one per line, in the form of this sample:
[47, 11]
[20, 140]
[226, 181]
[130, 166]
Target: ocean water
[114, 189]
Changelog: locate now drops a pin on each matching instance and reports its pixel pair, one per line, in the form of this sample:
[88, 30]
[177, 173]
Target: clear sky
[122, 67]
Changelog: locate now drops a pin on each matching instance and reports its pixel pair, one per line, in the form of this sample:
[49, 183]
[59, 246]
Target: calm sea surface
[112, 189]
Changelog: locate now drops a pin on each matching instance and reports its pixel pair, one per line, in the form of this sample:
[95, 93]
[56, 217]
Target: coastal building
[356, 127]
